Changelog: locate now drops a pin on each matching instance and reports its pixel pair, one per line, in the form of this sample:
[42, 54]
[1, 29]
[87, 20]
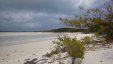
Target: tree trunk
[73, 60]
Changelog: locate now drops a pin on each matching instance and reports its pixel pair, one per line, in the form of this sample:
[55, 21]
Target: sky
[39, 15]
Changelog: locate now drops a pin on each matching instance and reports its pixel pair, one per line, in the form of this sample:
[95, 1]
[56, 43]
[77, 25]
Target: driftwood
[43, 61]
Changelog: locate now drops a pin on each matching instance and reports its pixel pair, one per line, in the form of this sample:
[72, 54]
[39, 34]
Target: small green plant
[47, 54]
[53, 52]
[87, 40]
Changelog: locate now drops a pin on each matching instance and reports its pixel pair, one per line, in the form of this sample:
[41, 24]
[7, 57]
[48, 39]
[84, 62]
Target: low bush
[74, 47]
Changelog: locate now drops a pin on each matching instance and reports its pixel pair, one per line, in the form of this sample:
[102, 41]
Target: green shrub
[72, 46]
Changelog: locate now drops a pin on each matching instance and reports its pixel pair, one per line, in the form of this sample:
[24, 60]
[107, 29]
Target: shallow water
[14, 38]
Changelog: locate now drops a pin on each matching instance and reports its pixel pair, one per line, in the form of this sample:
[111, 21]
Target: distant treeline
[67, 30]
[58, 30]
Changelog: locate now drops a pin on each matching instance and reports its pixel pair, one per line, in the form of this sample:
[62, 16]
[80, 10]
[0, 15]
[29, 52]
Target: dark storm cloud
[39, 14]
[55, 6]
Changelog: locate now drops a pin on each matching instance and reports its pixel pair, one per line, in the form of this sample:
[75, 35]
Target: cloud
[26, 20]
[39, 14]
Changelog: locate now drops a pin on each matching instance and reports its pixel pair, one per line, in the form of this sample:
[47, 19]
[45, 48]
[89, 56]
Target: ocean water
[14, 38]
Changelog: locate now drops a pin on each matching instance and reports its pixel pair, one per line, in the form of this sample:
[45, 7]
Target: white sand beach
[17, 54]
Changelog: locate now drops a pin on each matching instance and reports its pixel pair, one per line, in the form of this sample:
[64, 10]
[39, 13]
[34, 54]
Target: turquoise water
[14, 38]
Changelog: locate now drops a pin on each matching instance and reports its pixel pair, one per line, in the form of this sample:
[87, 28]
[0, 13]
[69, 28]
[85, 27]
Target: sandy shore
[17, 54]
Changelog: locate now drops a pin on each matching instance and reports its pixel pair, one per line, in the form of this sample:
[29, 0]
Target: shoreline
[17, 54]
